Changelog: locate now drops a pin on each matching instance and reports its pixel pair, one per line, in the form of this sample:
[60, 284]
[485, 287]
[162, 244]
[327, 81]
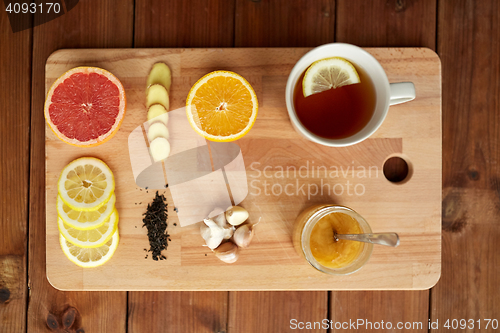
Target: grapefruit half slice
[85, 106]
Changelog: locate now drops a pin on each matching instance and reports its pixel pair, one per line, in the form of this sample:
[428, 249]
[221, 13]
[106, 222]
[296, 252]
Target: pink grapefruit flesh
[85, 106]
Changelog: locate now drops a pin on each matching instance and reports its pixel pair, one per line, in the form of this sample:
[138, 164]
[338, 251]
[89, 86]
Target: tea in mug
[337, 113]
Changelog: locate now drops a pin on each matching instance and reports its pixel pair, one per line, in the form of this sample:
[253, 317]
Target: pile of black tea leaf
[155, 220]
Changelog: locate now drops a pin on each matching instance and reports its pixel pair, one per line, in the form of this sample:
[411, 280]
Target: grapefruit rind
[119, 119]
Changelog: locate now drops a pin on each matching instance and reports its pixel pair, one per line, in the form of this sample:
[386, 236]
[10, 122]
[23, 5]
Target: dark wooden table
[465, 34]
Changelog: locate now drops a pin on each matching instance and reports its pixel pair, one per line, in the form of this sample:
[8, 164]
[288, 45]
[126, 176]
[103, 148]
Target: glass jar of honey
[313, 238]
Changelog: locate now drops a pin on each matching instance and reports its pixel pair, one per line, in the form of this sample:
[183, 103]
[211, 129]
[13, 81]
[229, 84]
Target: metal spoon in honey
[387, 239]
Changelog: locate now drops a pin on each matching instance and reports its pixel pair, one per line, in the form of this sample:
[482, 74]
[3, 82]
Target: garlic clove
[228, 232]
[236, 215]
[205, 231]
[212, 233]
[227, 252]
[219, 217]
[243, 235]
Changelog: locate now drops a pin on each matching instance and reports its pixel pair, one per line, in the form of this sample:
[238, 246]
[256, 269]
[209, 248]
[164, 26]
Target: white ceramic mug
[387, 94]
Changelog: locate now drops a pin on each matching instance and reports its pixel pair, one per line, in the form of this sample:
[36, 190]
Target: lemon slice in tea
[328, 73]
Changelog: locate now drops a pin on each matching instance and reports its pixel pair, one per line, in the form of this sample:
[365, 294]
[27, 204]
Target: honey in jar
[327, 251]
[313, 238]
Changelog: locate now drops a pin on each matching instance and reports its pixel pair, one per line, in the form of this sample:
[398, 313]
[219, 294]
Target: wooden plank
[282, 311]
[212, 25]
[384, 23]
[92, 23]
[15, 89]
[387, 23]
[284, 23]
[379, 311]
[468, 45]
[272, 144]
[177, 312]
[184, 23]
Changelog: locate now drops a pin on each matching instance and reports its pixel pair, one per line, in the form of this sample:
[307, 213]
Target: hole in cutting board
[397, 170]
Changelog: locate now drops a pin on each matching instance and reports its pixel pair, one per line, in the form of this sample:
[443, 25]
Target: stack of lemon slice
[87, 217]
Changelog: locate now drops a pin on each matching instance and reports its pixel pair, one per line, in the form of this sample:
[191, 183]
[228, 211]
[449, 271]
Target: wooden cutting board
[272, 151]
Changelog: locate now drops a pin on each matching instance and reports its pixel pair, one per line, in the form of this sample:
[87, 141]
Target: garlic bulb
[227, 252]
[243, 235]
[236, 215]
[212, 233]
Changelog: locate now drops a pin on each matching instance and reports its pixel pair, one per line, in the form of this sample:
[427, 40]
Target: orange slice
[222, 106]
[85, 106]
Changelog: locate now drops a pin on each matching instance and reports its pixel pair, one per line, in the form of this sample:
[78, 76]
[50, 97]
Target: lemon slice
[327, 74]
[222, 106]
[86, 184]
[85, 220]
[92, 257]
[90, 238]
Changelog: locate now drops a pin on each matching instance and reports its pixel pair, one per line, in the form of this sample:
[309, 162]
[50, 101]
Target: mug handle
[402, 92]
